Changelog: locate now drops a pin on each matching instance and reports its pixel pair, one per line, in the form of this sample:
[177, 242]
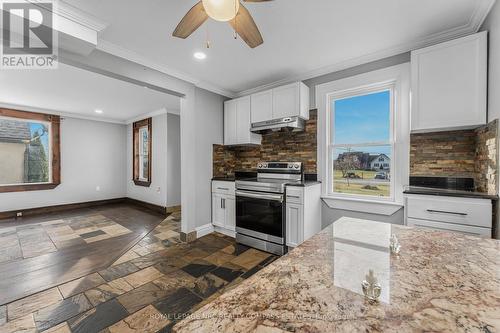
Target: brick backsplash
[466, 153]
[276, 146]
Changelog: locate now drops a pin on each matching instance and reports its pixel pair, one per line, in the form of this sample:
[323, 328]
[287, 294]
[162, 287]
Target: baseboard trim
[227, 232]
[156, 208]
[57, 208]
[64, 207]
[204, 230]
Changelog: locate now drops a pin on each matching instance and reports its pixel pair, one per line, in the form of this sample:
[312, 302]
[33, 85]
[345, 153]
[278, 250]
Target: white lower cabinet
[223, 205]
[302, 213]
[295, 224]
[466, 215]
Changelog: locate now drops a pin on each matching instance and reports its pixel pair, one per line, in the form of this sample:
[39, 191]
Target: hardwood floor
[147, 289]
[42, 252]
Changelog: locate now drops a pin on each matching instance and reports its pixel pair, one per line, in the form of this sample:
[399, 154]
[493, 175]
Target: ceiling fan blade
[245, 26]
[191, 21]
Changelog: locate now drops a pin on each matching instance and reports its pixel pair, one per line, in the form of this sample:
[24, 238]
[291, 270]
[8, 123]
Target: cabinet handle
[224, 203]
[293, 196]
[223, 188]
[446, 212]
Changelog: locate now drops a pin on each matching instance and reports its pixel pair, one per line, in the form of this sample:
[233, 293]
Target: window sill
[377, 207]
[142, 183]
[28, 187]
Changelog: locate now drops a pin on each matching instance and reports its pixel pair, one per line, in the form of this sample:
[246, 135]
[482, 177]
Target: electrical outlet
[19, 214]
[97, 188]
[158, 189]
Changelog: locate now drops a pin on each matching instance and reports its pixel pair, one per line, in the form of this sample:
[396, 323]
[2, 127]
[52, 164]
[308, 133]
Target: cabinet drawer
[223, 187]
[434, 225]
[294, 195]
[465, 211]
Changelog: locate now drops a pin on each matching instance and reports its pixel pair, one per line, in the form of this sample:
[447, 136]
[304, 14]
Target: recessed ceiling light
[98, 111]
[199, 55]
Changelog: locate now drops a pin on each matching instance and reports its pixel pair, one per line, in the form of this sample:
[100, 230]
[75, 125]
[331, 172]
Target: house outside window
[29, 151]
[142, 143]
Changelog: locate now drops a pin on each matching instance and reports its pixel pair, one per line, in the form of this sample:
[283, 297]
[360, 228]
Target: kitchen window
[360, 138]
[29, 151]
[363, 140]
[142, 131]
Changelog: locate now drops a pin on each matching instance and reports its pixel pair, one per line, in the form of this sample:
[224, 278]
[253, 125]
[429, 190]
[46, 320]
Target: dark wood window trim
[56, 150]
[135, 153]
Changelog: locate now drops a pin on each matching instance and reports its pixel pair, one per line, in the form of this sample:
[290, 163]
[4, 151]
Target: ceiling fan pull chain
[235, 19]
[208, 38]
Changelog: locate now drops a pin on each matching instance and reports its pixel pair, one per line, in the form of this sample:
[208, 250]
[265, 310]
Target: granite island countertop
[440, 281]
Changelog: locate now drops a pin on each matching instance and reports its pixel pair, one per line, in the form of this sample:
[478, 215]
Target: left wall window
[142, 152]
[29, 151]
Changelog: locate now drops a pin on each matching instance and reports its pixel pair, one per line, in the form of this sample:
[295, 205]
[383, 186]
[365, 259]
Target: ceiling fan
[231, 11]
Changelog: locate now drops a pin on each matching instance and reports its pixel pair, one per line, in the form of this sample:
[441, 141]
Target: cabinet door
[262, 106]
[294, 224]
[449, 84]
[230, 213]
[218, 211]
[243, 120]
[230, 116]
[286, 101]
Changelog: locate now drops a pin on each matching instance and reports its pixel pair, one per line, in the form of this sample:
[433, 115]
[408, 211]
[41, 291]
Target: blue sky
[363, 119]
[34, 127]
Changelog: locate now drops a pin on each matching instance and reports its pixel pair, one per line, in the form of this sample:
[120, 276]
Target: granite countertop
[439, 282]
[446, 192]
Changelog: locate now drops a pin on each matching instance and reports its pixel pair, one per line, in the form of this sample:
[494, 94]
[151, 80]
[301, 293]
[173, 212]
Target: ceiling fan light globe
[221, 10]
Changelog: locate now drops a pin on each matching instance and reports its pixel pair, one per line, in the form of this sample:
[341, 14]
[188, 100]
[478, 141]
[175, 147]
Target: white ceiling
[300, 36]
[70, 90]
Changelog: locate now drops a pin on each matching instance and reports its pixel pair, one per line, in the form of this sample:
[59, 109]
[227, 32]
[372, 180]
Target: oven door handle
[263, 196]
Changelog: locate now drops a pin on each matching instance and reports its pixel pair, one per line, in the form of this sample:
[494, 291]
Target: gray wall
[365, 68]
[92, 154]
[156, 193]
[173, 160]
[492, 24]
[209, 130]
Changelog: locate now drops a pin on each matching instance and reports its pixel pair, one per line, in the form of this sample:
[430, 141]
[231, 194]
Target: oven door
[260, 215]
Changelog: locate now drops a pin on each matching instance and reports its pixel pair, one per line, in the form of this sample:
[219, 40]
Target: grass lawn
[383, 190]
[341, 186]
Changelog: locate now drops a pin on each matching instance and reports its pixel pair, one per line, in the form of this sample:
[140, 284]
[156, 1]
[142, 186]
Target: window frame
[136, 159]
[332, 146]
[54, 153]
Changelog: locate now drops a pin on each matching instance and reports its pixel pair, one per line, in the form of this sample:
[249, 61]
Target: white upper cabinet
[230, 122]
[262, 106]
[287, 101]
[237, 123]
[449, 85]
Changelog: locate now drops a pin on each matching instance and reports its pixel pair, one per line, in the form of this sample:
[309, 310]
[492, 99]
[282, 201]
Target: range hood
[290, 124]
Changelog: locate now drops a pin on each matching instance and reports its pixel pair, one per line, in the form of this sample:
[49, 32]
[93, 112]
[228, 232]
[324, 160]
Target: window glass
[24, 152]
[361, 149]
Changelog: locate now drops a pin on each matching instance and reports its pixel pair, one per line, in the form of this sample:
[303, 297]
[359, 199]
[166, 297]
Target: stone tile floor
[32, 240]
[148, 289]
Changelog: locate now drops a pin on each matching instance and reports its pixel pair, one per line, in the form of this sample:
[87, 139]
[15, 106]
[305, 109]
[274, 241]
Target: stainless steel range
[260, 206]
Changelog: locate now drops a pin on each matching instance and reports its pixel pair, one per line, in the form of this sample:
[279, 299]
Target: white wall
[156, 193]
[492, 24]
[92, 154]
[173, 160]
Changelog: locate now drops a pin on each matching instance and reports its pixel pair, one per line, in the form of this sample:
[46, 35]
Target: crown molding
[60, 113]
[127, 54]
[74, 14]
[472, 26]
[153, 114]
